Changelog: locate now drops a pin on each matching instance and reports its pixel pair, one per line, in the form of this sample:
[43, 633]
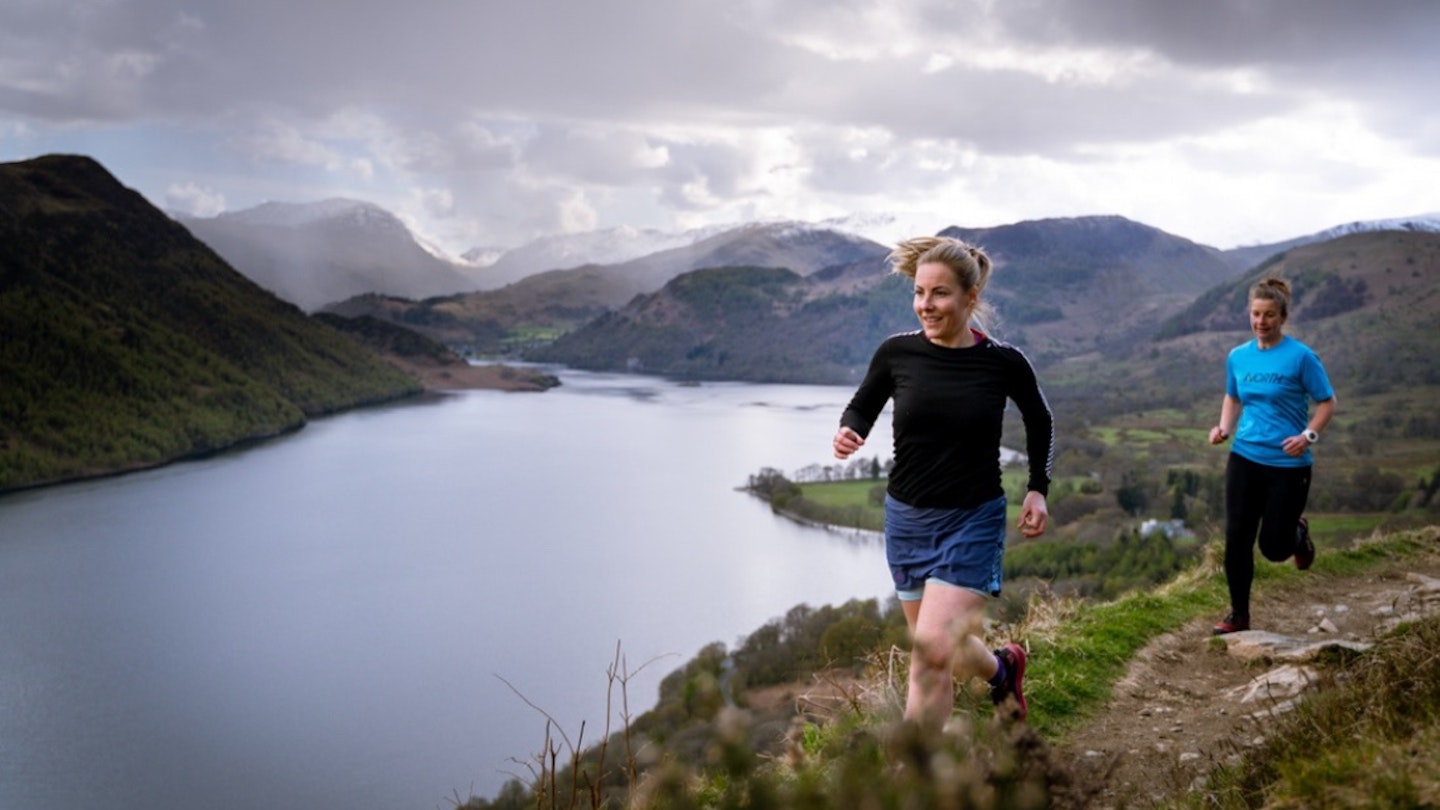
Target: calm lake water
[325, 620]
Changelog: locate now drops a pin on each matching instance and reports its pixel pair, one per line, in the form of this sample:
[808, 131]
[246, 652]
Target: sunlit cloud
[194, 199]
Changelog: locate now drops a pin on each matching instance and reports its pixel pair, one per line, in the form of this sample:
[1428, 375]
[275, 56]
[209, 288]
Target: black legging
[1267, 499]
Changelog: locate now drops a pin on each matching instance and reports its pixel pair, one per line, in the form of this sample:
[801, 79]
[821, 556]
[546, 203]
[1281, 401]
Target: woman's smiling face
[941, 305]
[1266, 321]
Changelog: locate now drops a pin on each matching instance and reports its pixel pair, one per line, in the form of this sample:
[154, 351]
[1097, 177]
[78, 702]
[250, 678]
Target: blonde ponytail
[969, 263]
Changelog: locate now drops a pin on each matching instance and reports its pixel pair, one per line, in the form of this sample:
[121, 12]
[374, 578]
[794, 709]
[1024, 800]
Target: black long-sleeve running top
[948, 416]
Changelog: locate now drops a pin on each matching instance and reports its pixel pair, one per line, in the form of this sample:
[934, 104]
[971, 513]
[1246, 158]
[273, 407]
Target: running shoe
[1304, 546]
[1013, 656]
[1231, 624]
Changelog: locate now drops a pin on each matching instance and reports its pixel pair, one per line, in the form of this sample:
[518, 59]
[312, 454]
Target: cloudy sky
[491, 122]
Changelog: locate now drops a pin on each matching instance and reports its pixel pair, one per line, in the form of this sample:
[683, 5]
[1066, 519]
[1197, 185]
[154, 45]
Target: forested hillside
[127, 342]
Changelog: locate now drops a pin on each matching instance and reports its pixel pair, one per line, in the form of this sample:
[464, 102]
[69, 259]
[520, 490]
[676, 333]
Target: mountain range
[1116, 316]
[1063, 288]
[322, 253]
[550, 303]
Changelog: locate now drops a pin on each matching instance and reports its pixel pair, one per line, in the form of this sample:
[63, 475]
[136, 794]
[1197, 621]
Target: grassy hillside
[804, 712]
[1064, 287]
[537, 308]
[1367, 302]
[544, 305]
[1124, 334]
[127, 343]
[743, 323]
[435, 364]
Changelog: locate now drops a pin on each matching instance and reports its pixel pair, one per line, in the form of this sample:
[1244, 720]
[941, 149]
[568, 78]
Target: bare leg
[945, 626]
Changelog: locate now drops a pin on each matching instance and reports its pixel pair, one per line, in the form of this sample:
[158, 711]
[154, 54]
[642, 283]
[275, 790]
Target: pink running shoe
[1013, 656]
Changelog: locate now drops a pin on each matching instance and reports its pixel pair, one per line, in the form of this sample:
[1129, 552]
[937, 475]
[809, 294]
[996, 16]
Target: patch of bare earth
[1191, 700]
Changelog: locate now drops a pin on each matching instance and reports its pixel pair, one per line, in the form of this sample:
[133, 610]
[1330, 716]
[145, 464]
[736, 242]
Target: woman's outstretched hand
[1034, 515]
[847, 442]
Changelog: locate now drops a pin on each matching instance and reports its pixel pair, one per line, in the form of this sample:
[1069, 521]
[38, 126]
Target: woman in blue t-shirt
[1269, 384]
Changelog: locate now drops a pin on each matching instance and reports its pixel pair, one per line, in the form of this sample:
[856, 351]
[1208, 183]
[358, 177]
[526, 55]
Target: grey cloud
[606, 60]
[1221, 33]
[639, 61]
[1354, 50]
[515, 108]
[514, 208]
[72, 61]
[1009, 112]
[607, 156]
[466, 148]
[726, 171]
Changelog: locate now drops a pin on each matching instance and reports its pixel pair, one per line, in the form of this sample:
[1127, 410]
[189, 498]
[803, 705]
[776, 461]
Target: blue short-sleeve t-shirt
[1275, 387]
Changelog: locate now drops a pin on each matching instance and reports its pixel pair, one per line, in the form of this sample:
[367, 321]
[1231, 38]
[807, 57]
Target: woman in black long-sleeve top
[944, 505]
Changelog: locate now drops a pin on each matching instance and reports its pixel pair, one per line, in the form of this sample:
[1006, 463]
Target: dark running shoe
[1231, 624]
[1304, 546]
[1013, 655]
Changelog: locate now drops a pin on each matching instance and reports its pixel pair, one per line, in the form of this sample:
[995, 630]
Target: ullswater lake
[356, 615]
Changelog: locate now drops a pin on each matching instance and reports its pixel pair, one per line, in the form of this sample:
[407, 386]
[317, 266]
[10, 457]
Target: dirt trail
[1178, 712]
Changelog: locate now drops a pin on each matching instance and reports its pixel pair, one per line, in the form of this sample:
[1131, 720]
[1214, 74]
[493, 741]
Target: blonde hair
[1274, 289]
[969, 263]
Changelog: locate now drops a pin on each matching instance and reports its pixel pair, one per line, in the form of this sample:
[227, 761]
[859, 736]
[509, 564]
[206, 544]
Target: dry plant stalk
[545, 778]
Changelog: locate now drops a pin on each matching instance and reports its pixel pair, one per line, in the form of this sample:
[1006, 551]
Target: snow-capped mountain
[565, 251]
[623, 244]
[482, 256]
[1243, 258]
[887, 228]
[1426, 223]
[335, 210]
[313, 254]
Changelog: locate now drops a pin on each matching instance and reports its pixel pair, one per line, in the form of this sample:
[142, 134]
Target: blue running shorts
[961, 547]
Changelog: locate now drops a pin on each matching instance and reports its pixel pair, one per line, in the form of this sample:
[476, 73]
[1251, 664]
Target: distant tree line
[787, 498]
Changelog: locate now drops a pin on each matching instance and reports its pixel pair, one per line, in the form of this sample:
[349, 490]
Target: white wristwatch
[1310, 435]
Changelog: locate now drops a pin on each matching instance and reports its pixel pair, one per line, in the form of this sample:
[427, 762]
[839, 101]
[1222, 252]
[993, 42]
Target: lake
[358, 615]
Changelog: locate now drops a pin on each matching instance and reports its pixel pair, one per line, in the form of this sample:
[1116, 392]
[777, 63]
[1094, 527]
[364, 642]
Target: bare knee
[932, 652]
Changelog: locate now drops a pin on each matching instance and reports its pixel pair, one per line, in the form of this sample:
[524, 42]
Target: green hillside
[1065, 287]
[1367, 302]
[125, 342]
[539, 307]
[1132, 703]
[1062, 288]
[743, 323]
